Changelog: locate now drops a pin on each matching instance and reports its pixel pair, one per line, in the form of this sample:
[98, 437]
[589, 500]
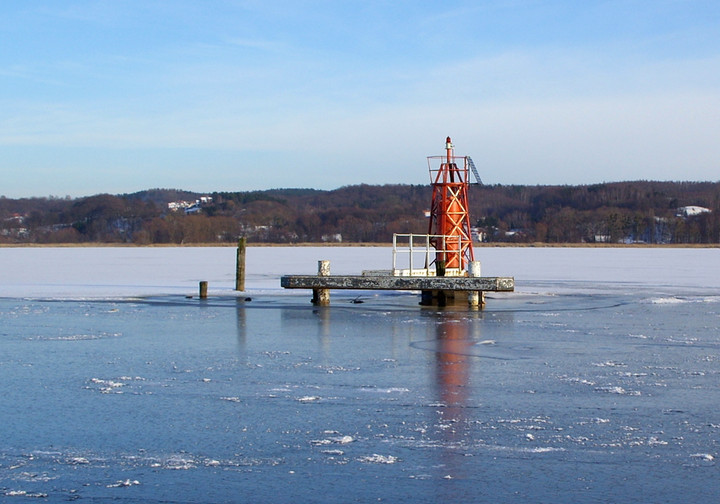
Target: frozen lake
[597, 381]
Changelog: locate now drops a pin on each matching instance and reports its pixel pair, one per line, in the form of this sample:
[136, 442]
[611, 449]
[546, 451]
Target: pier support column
[426, 298]
[441, 295]
[476, 299]
[321, 297]
[203, 289]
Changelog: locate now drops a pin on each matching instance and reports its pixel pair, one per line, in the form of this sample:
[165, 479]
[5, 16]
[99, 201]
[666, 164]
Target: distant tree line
[641, 211]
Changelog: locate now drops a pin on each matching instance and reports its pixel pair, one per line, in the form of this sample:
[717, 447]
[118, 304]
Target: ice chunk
[378, 459]
[123, 483]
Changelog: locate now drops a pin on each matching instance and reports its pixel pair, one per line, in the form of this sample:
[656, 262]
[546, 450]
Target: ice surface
[596, 381]
[110, 272]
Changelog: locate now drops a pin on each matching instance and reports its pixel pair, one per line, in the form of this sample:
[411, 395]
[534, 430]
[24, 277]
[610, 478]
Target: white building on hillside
[691, 211]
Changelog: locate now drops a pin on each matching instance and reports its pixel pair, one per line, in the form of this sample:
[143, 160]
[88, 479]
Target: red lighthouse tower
[449, 227]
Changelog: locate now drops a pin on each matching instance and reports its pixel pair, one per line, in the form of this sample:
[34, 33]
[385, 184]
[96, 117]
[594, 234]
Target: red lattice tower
[449, 215]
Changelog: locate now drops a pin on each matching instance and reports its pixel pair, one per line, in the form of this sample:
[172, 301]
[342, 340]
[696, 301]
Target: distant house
[336, 237]
[178, 205]
[194, 208]
[478, 235]
[691, 211]
[515, 234]
[188, 207]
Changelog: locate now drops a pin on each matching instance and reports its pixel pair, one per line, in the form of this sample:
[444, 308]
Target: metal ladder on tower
[474, 170]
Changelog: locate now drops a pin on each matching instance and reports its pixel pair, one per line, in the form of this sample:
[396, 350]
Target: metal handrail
[427, 246]
[436, 163]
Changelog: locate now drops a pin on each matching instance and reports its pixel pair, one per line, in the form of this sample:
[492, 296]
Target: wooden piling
[321, 297]
[440, 295]
[240, 265]
[203, 289]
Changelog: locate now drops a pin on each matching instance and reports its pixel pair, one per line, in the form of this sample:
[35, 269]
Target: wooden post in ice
[476, 299]
[321, 297]
[203, 289]
[440, 271]
[240, 265]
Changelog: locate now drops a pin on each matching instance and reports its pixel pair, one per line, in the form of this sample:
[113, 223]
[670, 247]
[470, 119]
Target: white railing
[438, 165]
[414, 254]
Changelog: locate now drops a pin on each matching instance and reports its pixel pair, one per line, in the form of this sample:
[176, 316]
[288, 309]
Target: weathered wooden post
[440, 271]
[476, 299]
[321, 297]
[203, 289]
[240, 265]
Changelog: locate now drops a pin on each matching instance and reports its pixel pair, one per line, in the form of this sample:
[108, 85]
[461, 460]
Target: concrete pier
[448, 285]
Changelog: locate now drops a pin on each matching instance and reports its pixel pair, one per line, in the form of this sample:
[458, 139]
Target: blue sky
[122, 95]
